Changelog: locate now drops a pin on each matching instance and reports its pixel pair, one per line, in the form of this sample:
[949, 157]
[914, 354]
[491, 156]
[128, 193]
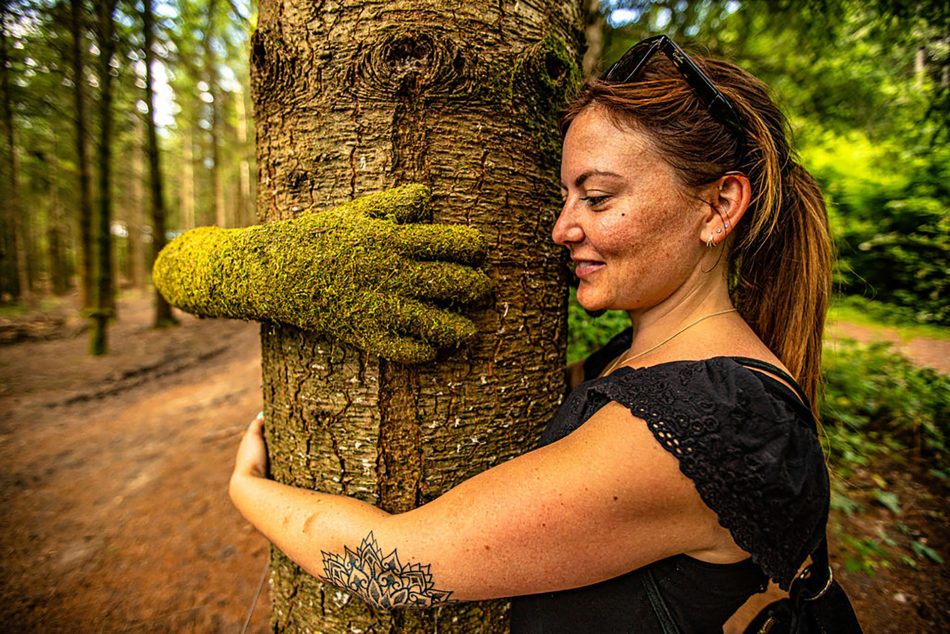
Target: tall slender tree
[243, 190]
[221, 215]
[163, 312]
[135, 205]
[56, 231]
[105, 288]
[87, 268]
[15, 244]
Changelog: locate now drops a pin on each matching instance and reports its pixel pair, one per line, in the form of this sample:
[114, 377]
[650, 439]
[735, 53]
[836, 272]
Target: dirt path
[113, 488]
[114, 485]
[932, 353]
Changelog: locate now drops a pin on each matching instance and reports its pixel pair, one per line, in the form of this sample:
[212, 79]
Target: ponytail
[782, 281]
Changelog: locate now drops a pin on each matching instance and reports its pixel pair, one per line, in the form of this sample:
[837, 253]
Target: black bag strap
[660, 609]
[815, 581]
[818, 601]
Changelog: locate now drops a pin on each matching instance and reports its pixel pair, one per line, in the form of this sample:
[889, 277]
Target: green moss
[560, 74]
[361, 272]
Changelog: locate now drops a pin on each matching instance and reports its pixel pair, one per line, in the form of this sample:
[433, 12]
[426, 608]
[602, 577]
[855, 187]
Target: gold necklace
[623, 360]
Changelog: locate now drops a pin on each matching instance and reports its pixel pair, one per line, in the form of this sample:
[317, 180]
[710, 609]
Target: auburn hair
[781, 255]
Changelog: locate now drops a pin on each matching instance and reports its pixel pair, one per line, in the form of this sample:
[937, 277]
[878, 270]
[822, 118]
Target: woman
[686, 471]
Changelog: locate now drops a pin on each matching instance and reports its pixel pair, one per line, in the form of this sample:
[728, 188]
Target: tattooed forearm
[383, 582]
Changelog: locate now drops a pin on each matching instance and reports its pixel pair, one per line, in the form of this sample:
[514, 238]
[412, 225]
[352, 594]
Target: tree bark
[355, 97]
[85, 183]
[105, 300]
[163, 312]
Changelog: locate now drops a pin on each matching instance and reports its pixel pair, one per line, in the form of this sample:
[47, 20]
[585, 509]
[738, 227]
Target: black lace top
[750, 446]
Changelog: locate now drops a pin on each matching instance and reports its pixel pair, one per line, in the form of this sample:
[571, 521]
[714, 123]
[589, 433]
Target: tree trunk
[594, 23]
[244, 168]
[188, 198]
[214, 131]
[135, 211]
[85, 180]
[186, 203]
[56, 232]
[163, 312]
[15, 251]
[105, 301]
[353, 98]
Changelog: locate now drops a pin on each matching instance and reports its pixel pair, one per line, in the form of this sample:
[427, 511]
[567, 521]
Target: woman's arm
[605, 500]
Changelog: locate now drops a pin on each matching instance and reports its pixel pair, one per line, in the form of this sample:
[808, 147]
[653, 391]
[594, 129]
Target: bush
[586, 333]
[876, 401]
[888, 211]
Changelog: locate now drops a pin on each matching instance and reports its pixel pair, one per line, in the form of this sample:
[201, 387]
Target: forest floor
[114, 484]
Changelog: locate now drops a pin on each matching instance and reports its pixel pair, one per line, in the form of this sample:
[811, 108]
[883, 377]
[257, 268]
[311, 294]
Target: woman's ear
[728, 198]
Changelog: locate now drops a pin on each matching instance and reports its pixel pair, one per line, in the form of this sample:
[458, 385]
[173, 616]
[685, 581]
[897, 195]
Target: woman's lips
[584, 269]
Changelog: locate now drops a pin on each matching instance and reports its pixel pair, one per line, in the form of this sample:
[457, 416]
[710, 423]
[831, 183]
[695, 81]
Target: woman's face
[634, 235]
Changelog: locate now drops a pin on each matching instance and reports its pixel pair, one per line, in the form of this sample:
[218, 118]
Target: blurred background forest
[127, 122]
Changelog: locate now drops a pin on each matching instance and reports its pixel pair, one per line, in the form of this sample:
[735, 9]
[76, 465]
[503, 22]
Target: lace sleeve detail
[754, 458]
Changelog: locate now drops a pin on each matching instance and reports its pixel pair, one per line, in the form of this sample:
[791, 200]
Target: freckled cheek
[615, 234]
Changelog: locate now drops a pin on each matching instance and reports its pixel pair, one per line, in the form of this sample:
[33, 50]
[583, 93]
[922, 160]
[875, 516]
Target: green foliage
[586, 333]
[888, 499]
[876, 401]
[864, 554]
[864, 86]
[889, 215]
[868, 554]
[922, 550]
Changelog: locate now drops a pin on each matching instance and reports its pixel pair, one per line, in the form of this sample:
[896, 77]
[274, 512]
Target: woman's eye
[594, 201]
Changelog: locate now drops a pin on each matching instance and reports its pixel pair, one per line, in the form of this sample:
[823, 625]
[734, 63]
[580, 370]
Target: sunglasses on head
[628, 68]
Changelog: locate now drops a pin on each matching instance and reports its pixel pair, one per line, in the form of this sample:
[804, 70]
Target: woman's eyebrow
[583, 177]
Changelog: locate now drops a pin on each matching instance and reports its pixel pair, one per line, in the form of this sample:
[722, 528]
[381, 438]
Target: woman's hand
[252, 453]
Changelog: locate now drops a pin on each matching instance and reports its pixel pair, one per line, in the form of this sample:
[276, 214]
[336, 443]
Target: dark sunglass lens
[628, 67]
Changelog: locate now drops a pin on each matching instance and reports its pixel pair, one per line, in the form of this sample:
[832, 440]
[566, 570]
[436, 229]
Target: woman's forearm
[301, 523]
[332, 537]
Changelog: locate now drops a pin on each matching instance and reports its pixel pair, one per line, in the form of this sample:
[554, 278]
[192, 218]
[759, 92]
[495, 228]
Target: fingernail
[260, 415]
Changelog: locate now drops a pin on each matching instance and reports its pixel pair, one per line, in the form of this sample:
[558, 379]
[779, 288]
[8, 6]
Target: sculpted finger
[400, 348]
[441, 242]
[407, 203]
[434, 326]
[446, 282]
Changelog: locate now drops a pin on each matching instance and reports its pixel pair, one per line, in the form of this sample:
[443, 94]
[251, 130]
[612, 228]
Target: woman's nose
[566, 230]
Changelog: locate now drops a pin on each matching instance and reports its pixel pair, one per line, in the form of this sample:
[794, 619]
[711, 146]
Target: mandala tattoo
[383, 582]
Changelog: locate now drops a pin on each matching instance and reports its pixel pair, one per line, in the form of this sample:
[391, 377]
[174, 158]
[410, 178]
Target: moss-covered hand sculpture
[367, 272]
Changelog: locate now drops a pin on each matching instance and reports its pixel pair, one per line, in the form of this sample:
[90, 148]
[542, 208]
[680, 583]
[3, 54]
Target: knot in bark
[272, 65]
[404, 64]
